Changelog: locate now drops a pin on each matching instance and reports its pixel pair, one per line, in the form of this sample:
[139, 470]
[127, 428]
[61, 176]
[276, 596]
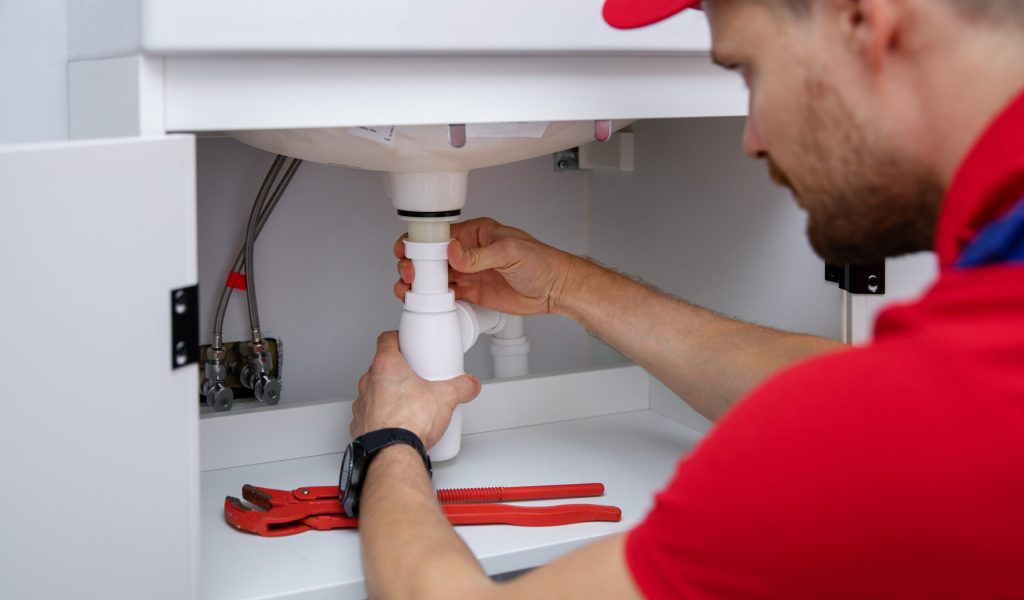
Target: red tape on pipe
[236, 280]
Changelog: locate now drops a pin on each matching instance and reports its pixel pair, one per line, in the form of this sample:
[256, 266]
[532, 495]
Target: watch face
[348, 482]
[345, 478]
[346, 470]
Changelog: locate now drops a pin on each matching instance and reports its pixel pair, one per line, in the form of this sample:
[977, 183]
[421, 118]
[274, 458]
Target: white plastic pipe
[510, 350]
[435, 331]
[429, 334]
[427, 192]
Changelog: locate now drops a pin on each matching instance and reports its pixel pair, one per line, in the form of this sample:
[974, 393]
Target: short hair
[996, 11]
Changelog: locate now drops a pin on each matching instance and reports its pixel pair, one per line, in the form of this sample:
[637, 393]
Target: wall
[325, 270]
[700, 220]
[33, 71]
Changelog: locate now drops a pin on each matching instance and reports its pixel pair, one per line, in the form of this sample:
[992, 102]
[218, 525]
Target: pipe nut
[430, 303]
[426, 250]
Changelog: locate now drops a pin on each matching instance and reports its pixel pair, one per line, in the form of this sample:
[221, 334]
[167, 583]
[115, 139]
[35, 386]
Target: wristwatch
[361, 452]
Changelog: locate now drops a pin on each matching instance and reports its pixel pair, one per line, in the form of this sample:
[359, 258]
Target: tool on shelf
[287, 512]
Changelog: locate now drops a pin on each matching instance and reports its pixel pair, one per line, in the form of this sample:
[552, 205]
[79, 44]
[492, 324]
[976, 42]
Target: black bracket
[567, 160]
[858, 279]
[184, 326]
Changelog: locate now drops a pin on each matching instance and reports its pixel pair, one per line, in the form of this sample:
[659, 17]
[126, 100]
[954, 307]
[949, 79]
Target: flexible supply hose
[266, 208]
[250, 244]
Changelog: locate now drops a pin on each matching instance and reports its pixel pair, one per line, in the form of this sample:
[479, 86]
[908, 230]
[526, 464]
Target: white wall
[325, 270]
[33, 71]
[700, 220]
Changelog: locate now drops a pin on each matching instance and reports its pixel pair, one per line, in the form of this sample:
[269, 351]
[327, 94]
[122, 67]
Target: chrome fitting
[256, 376]
[218, 396]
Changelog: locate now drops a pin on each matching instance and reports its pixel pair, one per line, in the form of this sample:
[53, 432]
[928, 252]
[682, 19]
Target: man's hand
[392, 395]
[498, 267]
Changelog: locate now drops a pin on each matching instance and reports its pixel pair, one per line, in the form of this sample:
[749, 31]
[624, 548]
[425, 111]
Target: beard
[865, 200]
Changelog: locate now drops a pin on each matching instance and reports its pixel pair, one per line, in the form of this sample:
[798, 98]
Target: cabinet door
[99, 432]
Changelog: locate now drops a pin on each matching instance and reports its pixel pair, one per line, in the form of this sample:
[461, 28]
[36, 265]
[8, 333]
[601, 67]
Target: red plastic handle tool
[529, 516]
[317, 507]
[459, 495]
[482, 514]
[266, 524]
[514, 494]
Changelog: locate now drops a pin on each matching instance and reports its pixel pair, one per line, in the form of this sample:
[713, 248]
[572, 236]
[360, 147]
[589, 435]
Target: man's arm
[709, 360]
[409, 549]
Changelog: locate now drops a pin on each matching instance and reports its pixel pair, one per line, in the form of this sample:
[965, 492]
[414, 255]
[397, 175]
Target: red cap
[629, 14]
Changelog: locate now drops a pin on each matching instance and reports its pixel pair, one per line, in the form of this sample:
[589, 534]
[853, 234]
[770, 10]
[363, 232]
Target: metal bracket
[184, 326]
[567, 160]
[858, 279]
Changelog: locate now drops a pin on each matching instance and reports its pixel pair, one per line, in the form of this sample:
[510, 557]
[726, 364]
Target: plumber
[894, 470]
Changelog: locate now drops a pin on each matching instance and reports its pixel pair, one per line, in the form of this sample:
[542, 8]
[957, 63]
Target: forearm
[709, 360]
[409, 549]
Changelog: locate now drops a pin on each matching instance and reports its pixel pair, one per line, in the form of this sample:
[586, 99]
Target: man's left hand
[392, 395]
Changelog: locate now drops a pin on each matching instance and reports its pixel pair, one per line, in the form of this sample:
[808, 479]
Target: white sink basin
[424, 148]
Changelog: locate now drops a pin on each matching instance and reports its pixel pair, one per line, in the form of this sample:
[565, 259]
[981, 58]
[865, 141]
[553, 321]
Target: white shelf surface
[633, 454]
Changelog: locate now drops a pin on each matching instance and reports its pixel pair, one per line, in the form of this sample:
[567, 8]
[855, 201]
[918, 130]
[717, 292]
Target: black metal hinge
[184, 326]
[858, 279]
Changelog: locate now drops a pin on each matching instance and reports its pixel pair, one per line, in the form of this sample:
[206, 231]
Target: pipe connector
[266, 389]
[219, 396]
[476, 320]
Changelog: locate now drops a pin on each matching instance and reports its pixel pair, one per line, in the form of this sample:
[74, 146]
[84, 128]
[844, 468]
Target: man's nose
[752, 144]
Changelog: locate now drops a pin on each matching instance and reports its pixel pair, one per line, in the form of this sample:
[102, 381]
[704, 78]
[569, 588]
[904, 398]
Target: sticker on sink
[506, 130]
[384, 134]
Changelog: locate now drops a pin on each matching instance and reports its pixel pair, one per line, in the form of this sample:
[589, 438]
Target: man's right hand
[498, 267]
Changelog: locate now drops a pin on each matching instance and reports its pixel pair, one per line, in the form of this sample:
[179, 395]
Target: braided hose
[250, 243]
[264, 215]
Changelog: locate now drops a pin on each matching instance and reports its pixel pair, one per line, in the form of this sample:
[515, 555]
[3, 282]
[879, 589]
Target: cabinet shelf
[633, 454]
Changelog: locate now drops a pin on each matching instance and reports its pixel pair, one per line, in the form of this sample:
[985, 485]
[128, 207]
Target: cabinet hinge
[858, 279]
[184, 326]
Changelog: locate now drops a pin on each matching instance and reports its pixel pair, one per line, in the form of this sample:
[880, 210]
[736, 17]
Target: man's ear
[871, 28]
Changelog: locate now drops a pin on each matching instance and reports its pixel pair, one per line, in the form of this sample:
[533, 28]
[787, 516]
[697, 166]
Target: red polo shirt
[890, 471]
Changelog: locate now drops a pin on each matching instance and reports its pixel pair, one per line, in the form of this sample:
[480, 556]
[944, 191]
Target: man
[891, 471]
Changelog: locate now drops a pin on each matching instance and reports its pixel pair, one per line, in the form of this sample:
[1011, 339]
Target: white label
[383, 134]
[506, 130]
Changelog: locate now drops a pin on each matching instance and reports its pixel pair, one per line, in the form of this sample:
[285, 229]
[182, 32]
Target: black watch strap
[360, 454]
[375, 441]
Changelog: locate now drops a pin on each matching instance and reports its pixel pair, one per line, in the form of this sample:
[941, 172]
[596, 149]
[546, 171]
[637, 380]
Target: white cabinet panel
[105, 28]
[223, 65]
[99, 435]
[288, 92]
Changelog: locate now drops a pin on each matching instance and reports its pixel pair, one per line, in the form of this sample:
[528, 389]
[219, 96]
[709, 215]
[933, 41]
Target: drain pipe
[508, 339]
[435, 331]
[511, 350]
[429, 334]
